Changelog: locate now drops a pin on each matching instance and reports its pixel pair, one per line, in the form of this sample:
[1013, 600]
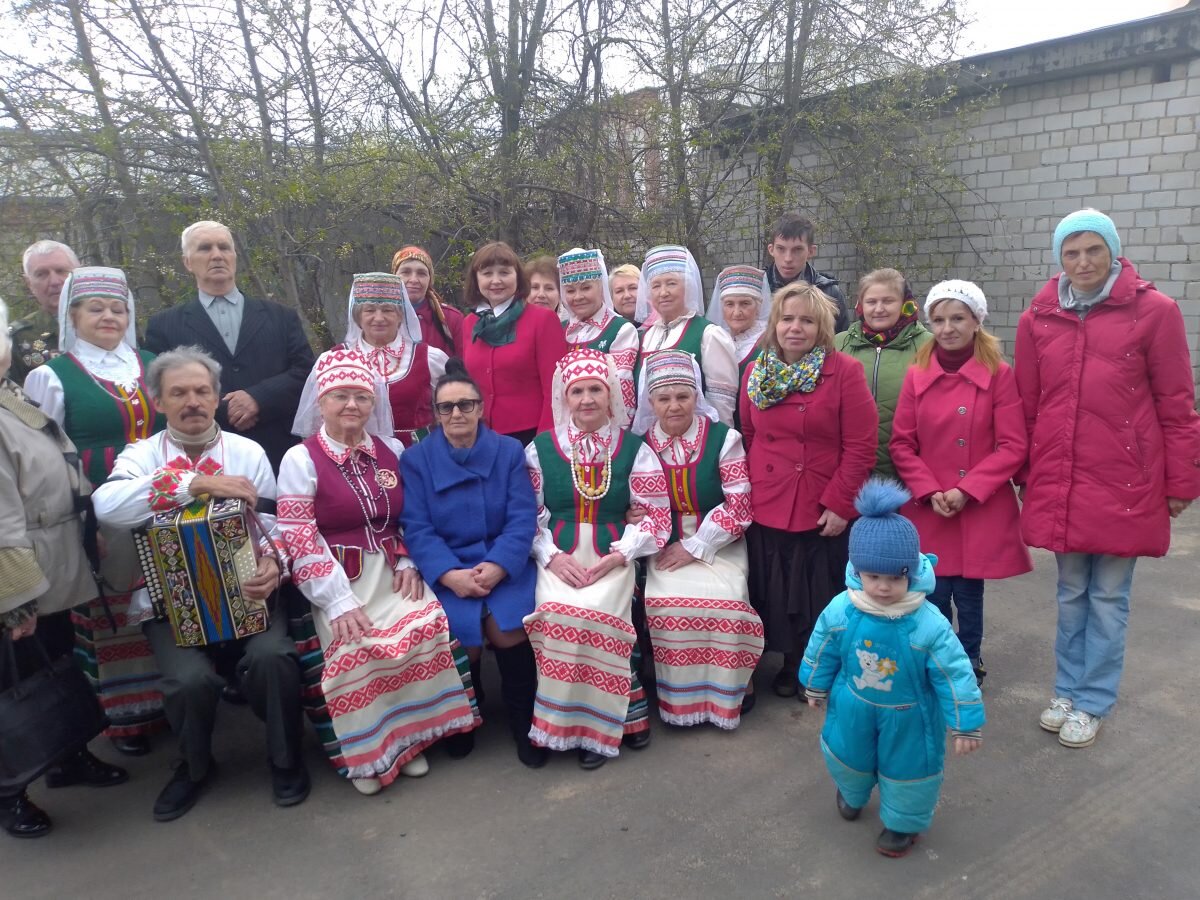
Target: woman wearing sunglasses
[469, 519]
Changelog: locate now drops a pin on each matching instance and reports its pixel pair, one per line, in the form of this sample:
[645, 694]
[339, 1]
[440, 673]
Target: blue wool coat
[894, 687]
[456, 516]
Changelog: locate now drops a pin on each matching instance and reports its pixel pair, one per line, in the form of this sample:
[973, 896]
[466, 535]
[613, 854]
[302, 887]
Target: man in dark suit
[264, 355]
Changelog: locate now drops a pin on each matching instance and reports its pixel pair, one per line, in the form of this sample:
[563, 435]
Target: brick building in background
[1108, 119]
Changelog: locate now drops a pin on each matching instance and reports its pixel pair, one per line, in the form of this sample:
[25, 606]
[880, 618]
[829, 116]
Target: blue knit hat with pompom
[883, 541]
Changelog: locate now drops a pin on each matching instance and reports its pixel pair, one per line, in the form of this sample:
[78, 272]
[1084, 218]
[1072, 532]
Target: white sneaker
[415, 767]
[1080, 729]
[368, 786]
[1055, 716]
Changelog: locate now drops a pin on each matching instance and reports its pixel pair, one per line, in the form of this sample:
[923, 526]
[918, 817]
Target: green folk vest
[695, 489]
[568, 509]
[689, 342]
[604, 342]
[102, 418]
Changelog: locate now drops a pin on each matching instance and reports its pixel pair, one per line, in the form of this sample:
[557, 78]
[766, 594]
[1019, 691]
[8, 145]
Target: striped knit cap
[580, 265]
[740, 281]
[664, 259]
[667, 367]
[378, 287]
[106, 283]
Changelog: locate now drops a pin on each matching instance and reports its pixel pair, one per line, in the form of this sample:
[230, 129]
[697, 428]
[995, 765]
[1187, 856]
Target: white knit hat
[955, 289]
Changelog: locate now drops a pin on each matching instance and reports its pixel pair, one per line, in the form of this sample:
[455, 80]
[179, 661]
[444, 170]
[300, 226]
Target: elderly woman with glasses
[469, 519]
[389, 677]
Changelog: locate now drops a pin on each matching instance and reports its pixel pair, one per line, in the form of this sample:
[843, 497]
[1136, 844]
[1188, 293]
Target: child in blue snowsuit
[894, 674]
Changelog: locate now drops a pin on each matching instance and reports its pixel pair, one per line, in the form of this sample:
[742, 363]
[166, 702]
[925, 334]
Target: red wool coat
[516, 378]
[811, 452]
[964, 430]
[1109, 407]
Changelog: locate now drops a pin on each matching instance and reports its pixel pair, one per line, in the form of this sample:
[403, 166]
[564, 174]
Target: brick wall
[1107, 119]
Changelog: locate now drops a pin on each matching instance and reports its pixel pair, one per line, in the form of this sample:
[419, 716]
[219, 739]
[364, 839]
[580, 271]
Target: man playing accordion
[195, 459]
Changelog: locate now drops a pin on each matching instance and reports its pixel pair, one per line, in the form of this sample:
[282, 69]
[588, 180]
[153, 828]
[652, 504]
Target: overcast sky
[1012, 23]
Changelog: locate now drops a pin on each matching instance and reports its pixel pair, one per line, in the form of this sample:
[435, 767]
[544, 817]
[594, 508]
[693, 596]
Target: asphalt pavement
[700, 813]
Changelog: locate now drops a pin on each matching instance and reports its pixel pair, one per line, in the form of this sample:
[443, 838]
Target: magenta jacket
[963, 430]
[1110, 412]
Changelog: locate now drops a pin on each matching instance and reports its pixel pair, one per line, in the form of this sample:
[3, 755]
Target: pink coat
[811, 452]
[1109, 407]
[516, 379]
[964, 430]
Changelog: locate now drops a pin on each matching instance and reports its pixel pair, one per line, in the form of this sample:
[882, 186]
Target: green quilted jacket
[885, 368]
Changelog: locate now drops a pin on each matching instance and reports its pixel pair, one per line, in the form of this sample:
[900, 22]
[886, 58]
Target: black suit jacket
[272, 361]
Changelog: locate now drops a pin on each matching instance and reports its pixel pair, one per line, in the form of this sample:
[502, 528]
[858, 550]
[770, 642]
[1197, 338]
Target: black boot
[518, 687]
[477, 679]
[83, 768]
[895, 843]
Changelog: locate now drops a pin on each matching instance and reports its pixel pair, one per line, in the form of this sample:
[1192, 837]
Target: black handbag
[50, 714]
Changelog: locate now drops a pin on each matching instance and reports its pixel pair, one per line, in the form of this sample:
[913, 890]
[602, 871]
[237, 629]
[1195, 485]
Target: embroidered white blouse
[314, 569]
[121, 366]
[728, 521]
[624, 351]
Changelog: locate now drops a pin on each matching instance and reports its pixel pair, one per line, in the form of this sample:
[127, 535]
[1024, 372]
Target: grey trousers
[269, 670]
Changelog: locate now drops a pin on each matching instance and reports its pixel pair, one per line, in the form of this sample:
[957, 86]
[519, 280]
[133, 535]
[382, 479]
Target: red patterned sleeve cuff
[169, 488]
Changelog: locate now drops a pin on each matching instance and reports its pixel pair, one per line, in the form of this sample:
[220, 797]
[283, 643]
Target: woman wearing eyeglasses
[469, 519]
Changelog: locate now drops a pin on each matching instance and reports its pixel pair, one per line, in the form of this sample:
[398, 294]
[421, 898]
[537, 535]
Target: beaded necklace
[363, 497]
[578, 471]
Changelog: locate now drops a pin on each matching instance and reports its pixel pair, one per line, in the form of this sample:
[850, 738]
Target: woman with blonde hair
[623, 284]
[957, 440]
[810, 428]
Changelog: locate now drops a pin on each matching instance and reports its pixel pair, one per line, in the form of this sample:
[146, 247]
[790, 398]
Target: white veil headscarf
[579, 365]
[380, 287]
[335, 369]
[745, 281]
[578, 265]
[666, 367]
[94, 281]
[662, 260]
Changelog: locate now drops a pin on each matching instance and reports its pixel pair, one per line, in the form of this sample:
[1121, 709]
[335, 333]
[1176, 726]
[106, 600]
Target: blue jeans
[967, 594]
[1093, 612]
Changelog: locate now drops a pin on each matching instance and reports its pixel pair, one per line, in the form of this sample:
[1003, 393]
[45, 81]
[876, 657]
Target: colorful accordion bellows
[195, 560]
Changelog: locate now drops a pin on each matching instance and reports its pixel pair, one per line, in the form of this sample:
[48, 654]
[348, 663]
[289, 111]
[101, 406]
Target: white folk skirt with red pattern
[582, 639]
[397, 691]
[707, 638]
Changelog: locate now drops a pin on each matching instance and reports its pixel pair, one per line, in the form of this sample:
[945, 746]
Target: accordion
[195, 560]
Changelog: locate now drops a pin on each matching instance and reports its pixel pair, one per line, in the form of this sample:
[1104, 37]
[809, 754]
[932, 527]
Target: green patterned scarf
[498, 330]
[773, 380]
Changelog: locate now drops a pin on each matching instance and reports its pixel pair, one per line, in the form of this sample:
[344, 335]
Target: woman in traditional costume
[592, 323]
[810, 428]
[510, 348]
[96, 391]
[671, 288]
[469, 519]
[740, 304]
[441, 323]
[586, 474]
[390, 679]
[706, 636]
[382, 325]
[44, 568]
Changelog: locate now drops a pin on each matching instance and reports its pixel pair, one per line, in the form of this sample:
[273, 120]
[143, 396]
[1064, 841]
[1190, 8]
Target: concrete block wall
[1122, 141]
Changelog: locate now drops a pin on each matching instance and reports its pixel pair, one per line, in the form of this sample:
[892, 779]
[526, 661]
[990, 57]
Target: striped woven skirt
[583, 641]
[119, 665]
[396, 692]
[707, 638]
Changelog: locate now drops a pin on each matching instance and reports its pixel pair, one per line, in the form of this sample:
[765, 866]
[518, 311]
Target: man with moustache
[46, 265]
[194, 457]
[261, 347]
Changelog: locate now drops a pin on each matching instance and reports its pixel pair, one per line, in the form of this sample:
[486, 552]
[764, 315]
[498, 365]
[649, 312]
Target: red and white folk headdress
[342, 370]
[583, 365]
